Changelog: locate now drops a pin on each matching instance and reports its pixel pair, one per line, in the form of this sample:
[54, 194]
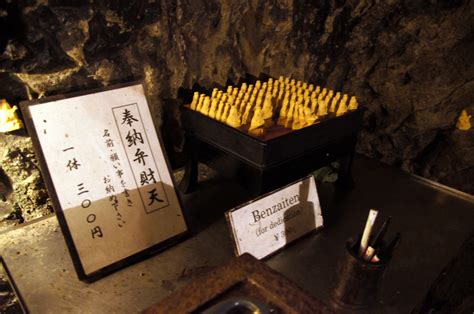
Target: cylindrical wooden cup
[357, 280]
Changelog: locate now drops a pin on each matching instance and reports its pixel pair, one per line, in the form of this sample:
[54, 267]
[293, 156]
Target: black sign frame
[119, 264]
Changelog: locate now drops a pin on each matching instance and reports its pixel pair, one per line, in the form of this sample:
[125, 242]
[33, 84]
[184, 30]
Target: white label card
[267, 224]
[109, 173]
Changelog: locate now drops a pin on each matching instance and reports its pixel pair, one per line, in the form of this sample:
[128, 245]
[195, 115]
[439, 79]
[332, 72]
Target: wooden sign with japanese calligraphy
[107, 175]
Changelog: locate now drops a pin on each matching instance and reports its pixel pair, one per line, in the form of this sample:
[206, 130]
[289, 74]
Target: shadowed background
[409, 62]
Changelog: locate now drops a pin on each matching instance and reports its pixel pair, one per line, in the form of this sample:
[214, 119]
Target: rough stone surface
[23, 196]
[8, 300]
[409, 62]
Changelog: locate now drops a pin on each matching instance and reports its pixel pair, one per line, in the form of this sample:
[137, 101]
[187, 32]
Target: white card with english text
[267, 224]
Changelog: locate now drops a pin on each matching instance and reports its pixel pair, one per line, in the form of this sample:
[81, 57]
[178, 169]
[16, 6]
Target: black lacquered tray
[278, 144]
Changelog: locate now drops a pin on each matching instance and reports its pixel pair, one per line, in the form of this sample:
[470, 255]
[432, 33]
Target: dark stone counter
[433, 220]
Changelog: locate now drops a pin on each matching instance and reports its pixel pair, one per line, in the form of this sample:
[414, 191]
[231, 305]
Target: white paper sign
[267, 224]
[109, 174]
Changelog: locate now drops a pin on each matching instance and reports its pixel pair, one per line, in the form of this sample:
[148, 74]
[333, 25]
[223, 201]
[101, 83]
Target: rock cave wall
[409, 62]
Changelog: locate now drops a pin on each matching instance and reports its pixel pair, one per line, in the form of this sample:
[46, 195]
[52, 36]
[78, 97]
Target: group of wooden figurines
[286, 102]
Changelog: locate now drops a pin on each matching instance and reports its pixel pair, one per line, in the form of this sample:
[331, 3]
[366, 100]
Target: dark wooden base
[260, 180]
[265, 163]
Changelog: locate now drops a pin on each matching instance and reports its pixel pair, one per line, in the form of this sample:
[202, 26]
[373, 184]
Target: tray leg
[258, 187]
[345, 173]
[189, 182]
